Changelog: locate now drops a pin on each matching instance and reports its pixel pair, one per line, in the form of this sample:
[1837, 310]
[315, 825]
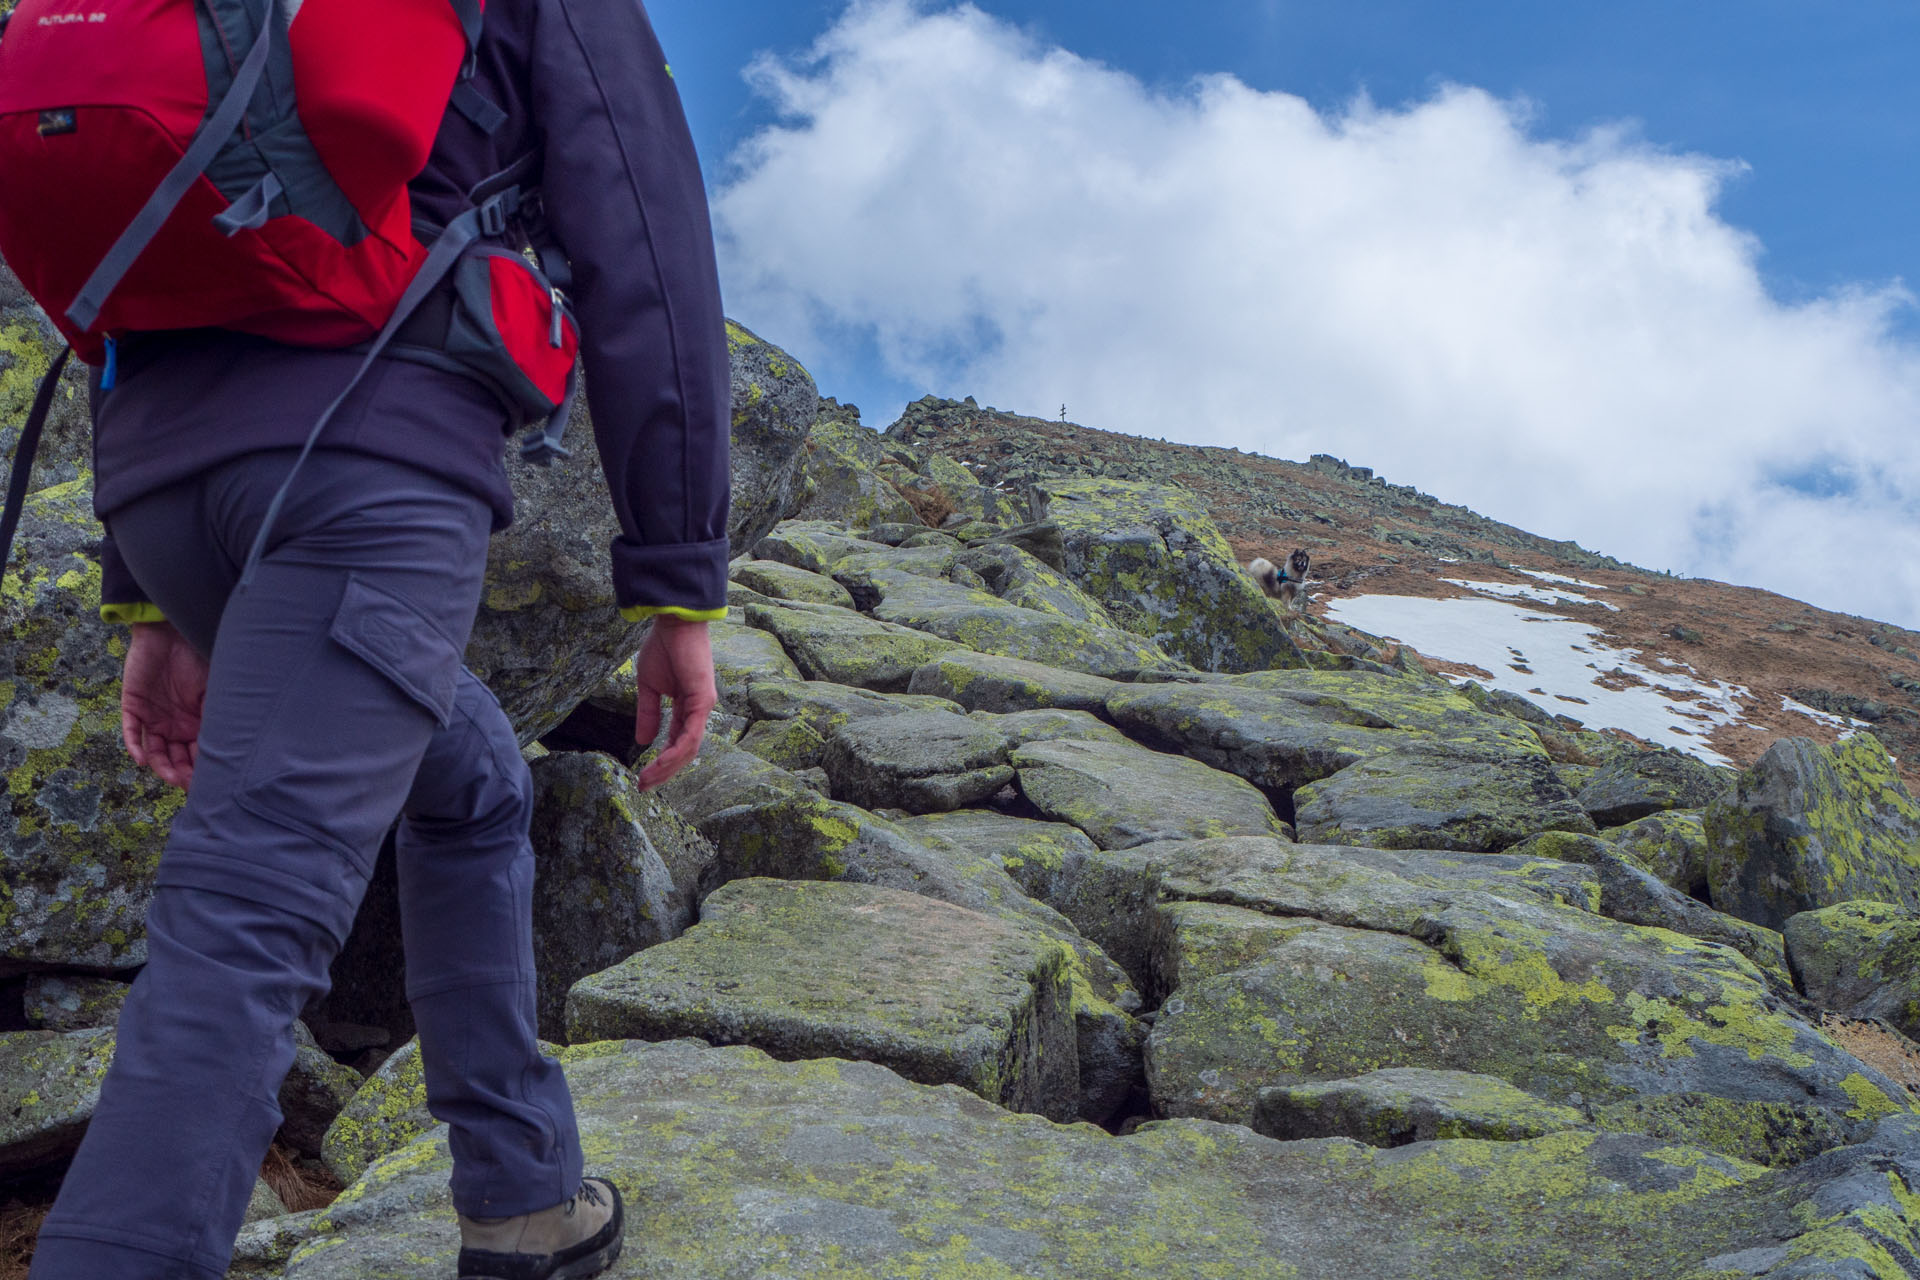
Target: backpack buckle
[494, 213]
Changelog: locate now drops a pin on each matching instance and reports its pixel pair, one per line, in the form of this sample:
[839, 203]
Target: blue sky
[928, 198]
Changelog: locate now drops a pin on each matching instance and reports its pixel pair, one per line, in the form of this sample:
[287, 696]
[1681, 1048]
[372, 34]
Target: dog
[1287, 584]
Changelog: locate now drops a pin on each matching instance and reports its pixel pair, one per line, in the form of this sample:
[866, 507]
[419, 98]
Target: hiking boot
[572, 1240]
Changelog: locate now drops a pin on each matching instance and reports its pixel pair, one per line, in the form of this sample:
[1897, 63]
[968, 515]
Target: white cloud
[1562, 335]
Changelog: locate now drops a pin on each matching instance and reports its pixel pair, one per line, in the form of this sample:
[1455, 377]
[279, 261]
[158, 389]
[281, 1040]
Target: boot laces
[589, 1193]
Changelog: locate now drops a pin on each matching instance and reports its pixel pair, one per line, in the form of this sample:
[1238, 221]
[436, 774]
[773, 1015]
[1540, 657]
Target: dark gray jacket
[588, 92]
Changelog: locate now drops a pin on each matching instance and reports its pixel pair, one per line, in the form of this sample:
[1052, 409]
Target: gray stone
[784, 582]
[1812, 826]
[602, 890]
[989, 682]
[71, 1003]
[841, 480]
[921, 761]
[1430, 799]
[814, 545]
[846, 648]
[1672, 845]
[938, 993]
[1022, 727]
[1637, 783]
[1040, 856]
[315, 1090]
[1123, 795]
[774, 405]
[1861, 959]
[743, 655]
[1019, 577]
[734, 1165]
[82, 837]
[384, 1115]
[1399, 1105]
[1156, 561]
[49, 1086]
[28, 344]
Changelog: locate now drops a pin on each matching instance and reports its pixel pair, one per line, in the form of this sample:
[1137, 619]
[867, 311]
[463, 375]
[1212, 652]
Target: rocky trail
[1048, 903]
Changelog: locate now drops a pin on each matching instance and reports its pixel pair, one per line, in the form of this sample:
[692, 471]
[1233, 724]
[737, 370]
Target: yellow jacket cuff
[641, 612]
[131, 613]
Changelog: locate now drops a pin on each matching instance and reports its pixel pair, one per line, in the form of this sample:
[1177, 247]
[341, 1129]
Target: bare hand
[161, 696]
[676, 663]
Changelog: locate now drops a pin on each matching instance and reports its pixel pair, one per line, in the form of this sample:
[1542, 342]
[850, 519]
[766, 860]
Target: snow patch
[1561, 665]
[1532, 594]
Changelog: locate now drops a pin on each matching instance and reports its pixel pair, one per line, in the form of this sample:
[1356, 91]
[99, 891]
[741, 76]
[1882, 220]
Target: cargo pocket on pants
[339, 762]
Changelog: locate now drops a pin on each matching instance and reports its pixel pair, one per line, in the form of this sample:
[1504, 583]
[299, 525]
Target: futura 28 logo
[69, 19]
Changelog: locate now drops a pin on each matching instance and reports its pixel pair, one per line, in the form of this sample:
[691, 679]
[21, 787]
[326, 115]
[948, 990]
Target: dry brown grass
[1880, 1047]
[931, 504]
[299, 1189]
[19, 1224]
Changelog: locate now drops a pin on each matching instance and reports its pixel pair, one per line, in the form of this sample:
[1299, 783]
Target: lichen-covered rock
[920, 761]
[602, 891]
[989, 682]
[314, 1092]
[743, 655]
[1861, 959]
[28, 344]
[1154, 558]
[384, 1115]
[83, 828]
[1017, 576]
[1672, 845]
[985, 623]
[549, 630]
[1812, 826]
[1122, 795]
[1040, 539]
[55, 1002]
[1634, 784]
[774, 405]
[1433, 799]
[784, 582]
[1631, 893]
[1776, 1134]
[1040, 856]
[842, 480]
[938, 993]
[734, 1165]
[969, 497]
[843, 647]
[1569, 1006]
[1281, 730]
[814, 545]
[1393, 1107]
[49, 1086]
[1022, 727]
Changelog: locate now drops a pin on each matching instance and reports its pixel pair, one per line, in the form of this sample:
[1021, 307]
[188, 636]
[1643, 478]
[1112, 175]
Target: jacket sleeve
[121, 599]
[625, 200]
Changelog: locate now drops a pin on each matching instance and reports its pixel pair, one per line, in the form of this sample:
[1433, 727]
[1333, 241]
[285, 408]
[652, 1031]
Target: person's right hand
[161, 695]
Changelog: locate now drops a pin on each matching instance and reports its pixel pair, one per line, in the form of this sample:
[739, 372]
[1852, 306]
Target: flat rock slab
[1038, 855]
[1419, 799]
[1861, 959]
[1283, 729]
[814, 545]
[990, 682]
[1022, 727]
[940, 994]
[1122, 795]
[1017, 576]
[49, 1086]
[1399, 1105]
[987, 624]
[738, 1167]
[742, 656]
[55, 1003]
[1569, 1006]
[784, 582]
[848, 648]
[1812, 826]
[927, 761]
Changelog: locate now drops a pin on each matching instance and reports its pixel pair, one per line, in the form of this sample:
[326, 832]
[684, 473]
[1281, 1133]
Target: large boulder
[603, 890]
[734, 1164]
[1121, 794]
[28, 344]
[844, 647]
[1634, 784]
[1436, 798]
[989, 682]
[1671, 844]
[774, 406]
[938, 993]
[1398, 1105]
[921, 761]
[842, 480]
[49, 1087]
[1861, 959]
[1154, 558]
[1812, 826]
[84, 829]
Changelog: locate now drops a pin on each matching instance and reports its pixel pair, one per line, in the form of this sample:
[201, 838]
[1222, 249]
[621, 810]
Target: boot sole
[580, 1268]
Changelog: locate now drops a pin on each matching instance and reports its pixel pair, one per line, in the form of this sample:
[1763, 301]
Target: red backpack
[174, 164]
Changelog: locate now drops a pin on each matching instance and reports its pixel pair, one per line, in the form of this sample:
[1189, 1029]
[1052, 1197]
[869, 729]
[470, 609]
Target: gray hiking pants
[336, 703]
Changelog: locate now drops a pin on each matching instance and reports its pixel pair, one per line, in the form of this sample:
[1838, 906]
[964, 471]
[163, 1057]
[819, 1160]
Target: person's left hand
[675, 663]
[161, 696]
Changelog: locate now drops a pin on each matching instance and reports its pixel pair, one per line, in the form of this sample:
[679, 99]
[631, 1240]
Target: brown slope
[1367, 536]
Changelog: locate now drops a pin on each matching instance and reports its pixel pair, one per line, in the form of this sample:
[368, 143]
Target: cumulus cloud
[1562, 334]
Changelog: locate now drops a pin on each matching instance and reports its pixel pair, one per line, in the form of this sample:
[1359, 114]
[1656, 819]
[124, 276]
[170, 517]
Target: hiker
[312, 698]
